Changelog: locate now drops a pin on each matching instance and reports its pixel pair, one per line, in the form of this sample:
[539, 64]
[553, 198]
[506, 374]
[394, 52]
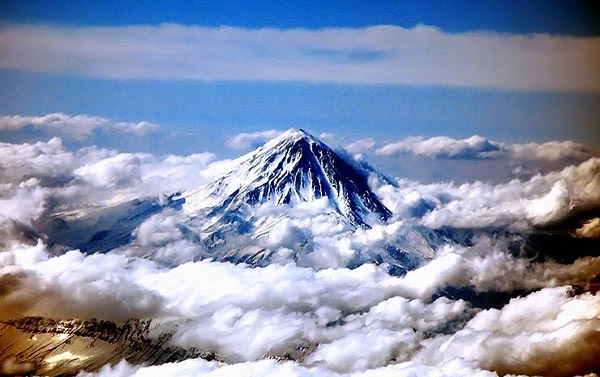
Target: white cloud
[544, 333]
[327, 136]
[518, 204]
[77, 127]
[72, 285]
[552, 151]
[423, 55]
[361, 146]
[138, 129]
[34, 175]
[475, 147]
[360, 321]
[251, 140]
[524, 160]
[591, 229]
[272, 368]
[43, 160]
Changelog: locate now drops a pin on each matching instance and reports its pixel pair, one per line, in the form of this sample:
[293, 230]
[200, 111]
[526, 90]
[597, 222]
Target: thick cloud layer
[331, 319]
[542, 200]
[355, 319]
[380, 54]
[546, 333]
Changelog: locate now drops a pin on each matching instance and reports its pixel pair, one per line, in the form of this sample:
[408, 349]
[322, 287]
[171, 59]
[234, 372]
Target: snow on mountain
[293, 199]
[294, 167]
[289, 175]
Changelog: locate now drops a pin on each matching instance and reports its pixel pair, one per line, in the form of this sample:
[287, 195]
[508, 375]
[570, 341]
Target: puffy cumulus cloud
[525, 160]
[350, 320]
[361, 146]
[48, 161]
[488, 266]
[25, 202]
[159, 230]
[574, 189]
[365, 145]
[199, 367]
[119, 170]
[246, 140]
[545, 333]
[164, 239]
[359, 322]
[331, 319]
[312, 234]
[381, 54]
[532, 158]
[551, 151]
[117, 177]
[77, 127]
[591, 229]
[44, 174]
[475, 147]
[280, 308]
[518, 204]
[42, 180]
[72, 285]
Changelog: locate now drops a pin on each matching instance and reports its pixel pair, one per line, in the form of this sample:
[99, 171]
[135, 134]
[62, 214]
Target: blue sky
[324, 66]
[511, 16]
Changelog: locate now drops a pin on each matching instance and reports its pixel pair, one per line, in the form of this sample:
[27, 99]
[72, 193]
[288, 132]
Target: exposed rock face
[47, 347]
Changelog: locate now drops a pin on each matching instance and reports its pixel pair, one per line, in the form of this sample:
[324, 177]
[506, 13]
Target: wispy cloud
[361, 146]
[423, 55]
[475, 147]
[246, 140]
[77, 127]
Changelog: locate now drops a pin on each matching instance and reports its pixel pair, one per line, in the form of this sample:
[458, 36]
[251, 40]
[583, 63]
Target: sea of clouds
[333, 320]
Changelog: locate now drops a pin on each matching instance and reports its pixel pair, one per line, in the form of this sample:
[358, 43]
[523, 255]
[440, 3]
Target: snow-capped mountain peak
[293, 167]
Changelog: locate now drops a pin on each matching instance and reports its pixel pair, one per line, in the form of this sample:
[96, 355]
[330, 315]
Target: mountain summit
[294, 167]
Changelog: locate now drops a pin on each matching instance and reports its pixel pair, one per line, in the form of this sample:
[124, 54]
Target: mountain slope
[288, 201]
[294, 167]
[292, 200]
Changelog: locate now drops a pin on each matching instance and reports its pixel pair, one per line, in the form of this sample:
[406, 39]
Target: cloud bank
[475, 147]
[77, 127]
[332, 320]
[521, 159]
[479, 148]
[384, 54]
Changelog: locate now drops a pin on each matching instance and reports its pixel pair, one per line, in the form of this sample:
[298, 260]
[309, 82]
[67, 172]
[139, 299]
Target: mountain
[101, 229]
[254, 212]
[294, 167]
[290, 170]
